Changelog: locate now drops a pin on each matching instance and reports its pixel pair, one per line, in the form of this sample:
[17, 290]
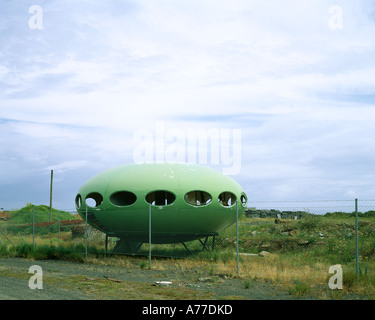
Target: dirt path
[74, 281]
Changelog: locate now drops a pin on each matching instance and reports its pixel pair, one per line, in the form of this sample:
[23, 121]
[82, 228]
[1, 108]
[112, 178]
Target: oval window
[160, 198]
[123, 198]
[94, 199]
[78, 201]
[227, 199]
[198, 198]
[243, 200]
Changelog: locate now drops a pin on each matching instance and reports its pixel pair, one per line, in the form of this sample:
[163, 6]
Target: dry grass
[304, 271]
[282, 270]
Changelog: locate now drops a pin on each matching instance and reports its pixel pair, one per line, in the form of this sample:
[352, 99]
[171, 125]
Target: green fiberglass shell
[185, 202]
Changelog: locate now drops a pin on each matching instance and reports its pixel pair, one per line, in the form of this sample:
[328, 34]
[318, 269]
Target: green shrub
[4, 252]
[24, 250]
[349, 279]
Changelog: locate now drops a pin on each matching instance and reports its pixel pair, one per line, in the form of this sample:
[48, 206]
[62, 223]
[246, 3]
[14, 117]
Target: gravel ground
[14, 281]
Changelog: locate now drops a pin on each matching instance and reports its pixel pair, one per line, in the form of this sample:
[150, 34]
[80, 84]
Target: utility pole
[50, 198]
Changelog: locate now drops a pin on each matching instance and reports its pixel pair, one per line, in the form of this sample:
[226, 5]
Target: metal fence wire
[339, 231]
[334, 231]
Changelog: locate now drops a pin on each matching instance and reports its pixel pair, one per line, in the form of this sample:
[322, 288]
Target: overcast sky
[288, 87]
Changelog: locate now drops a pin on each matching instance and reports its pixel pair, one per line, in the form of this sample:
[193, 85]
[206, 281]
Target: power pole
[50, 198]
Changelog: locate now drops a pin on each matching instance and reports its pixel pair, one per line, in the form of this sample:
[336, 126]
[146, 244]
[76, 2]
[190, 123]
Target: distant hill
[41, 214]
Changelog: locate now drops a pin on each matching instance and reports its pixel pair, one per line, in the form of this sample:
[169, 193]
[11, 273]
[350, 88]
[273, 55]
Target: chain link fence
[336, 232]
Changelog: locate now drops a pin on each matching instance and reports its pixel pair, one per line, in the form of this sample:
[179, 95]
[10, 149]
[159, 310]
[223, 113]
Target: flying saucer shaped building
[187, 202]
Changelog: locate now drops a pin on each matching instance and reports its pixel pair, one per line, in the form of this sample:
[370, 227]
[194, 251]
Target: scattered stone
[205, 279]
[264, 253]
[163, 283]
[302, 242]
[277, 221]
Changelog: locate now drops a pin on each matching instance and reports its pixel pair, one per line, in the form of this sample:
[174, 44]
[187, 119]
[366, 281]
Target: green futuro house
[188, 202]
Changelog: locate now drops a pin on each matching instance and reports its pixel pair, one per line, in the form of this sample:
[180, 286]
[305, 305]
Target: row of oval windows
[160, 198]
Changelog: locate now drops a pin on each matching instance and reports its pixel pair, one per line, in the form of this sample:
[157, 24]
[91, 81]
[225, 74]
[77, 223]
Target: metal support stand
[204, 244]
[187, 249]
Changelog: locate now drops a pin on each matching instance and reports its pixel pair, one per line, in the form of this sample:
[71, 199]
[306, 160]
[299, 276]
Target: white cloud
[74, 93]
[66, 166]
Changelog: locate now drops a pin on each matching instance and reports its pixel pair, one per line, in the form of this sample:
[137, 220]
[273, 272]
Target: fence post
[106, 245]
[86, 233]
[237, 237]
[149, 234]
[356, 239]
[58, 239]
[33, 227]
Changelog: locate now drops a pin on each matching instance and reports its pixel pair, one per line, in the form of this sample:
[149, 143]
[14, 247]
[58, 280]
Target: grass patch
[104, 289]
[41, 214]
[301, 252]
[26, 250]
[300, 289]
